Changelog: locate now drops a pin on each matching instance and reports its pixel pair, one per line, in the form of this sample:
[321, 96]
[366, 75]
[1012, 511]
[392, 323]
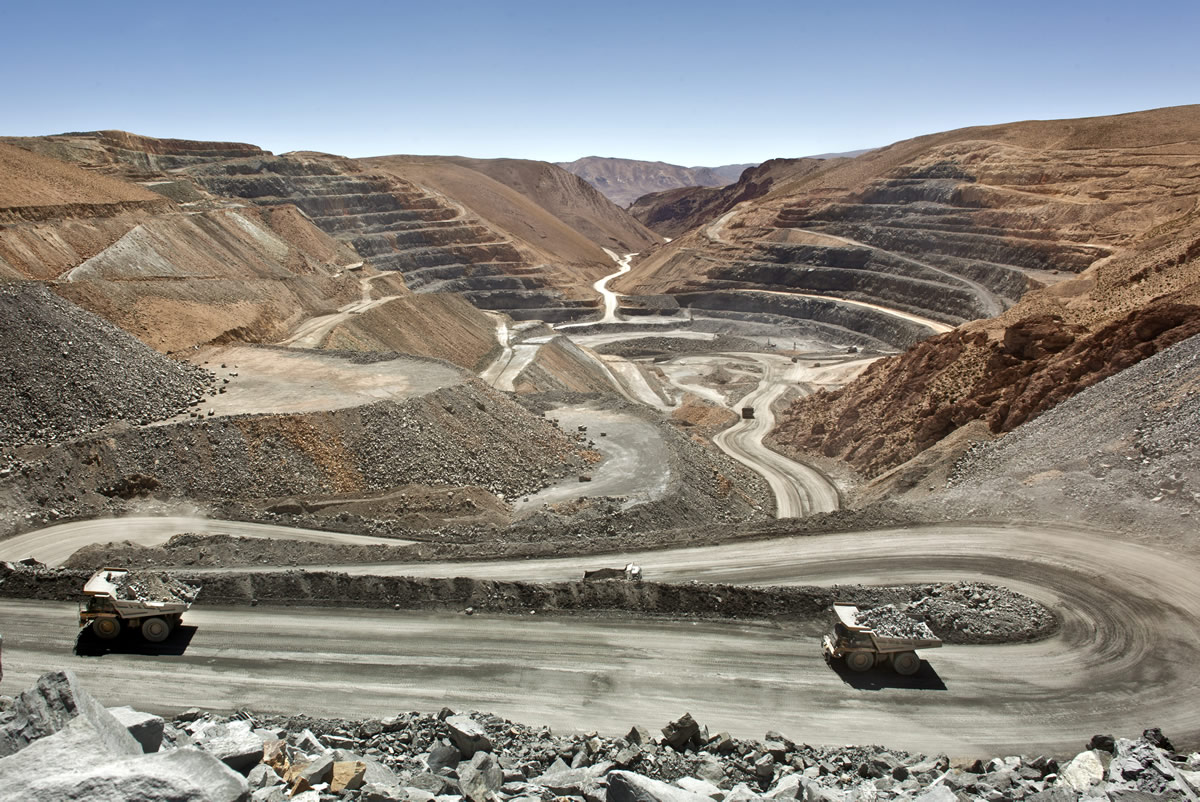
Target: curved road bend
[799, 489]
[1123, 660]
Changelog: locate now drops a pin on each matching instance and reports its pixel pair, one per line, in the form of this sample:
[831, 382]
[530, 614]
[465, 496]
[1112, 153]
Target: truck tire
[906, 663]
[106, 628]
[155, 630]
[860, 661]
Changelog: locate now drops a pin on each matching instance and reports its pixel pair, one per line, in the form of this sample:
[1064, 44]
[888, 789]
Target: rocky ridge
[564, 195]
[946, 382]
[1000, 209]
[64, 745]
[674, 212]
[1122, 452]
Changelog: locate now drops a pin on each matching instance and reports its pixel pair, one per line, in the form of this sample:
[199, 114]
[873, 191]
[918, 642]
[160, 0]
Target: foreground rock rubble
[59, 743]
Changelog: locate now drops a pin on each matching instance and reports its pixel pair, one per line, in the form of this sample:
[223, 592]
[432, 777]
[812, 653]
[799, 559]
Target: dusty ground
[266, 380]
[633, 461]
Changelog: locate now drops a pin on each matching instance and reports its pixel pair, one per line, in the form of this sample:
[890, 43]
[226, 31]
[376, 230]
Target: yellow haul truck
[863, 648]
[108, 608]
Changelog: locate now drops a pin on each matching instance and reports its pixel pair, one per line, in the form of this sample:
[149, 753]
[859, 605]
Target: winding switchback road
[1124, 658]
[799, 489]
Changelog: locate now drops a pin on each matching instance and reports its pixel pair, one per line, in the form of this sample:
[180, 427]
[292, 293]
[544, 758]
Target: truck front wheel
[155, 630]
[860, 661]
[906, 663]
[106, 628]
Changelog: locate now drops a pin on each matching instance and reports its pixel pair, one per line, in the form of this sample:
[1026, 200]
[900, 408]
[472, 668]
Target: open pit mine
[435, 478]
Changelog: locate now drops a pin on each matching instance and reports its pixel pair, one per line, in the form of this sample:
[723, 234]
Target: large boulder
[679, 733]
[938, 793]
[234, 743]
[347, 776]
[442, 756]
[701, 787]
[625, 786]
[146, 728]
[54, 702]
[40, 774]
[564, 781]
[468, 735]
[1083, 772]
[480, 778]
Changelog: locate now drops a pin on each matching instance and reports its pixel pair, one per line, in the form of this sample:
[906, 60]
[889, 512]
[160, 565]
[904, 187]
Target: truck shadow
[88, 645]
[877, 679]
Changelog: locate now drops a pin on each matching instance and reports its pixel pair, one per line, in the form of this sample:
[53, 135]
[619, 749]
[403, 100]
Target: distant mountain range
[623, 181]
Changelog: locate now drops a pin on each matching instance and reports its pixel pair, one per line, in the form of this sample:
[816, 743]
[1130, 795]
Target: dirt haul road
[1123, 660]
[799, 490]
[55, 544]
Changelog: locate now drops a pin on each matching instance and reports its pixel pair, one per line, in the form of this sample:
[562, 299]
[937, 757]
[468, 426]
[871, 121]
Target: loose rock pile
[1121, 454]
[65, 372]
[961, 612]
[58, 743]
[654, 346]
[891, 622]
[155, 587]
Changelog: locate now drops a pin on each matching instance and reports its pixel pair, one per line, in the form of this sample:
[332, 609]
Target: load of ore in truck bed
[890, 622]
[151, 587]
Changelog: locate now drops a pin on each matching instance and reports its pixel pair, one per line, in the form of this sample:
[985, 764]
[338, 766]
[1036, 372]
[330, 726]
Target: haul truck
[108, 613]
[863, 648]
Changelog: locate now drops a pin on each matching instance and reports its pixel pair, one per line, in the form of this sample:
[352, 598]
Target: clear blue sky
[692, 83]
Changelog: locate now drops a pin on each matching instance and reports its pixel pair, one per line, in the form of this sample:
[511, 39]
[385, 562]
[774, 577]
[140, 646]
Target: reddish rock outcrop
[903, 405]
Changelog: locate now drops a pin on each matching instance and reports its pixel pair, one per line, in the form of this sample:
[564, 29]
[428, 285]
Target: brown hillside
[623, 181]
[174, 279]
[571, 199]
[35, 187]
[1131, 183]
[129, 155]
[503, 207]
[677, 211]
[439, 325]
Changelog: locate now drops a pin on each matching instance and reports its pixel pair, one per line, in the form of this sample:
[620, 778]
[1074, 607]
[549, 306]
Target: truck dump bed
[112, 585]
[885, 642]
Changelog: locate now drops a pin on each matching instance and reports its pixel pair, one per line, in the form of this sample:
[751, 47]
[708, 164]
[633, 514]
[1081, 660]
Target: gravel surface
[262, 461]
[65, 372]
[1122, 454]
